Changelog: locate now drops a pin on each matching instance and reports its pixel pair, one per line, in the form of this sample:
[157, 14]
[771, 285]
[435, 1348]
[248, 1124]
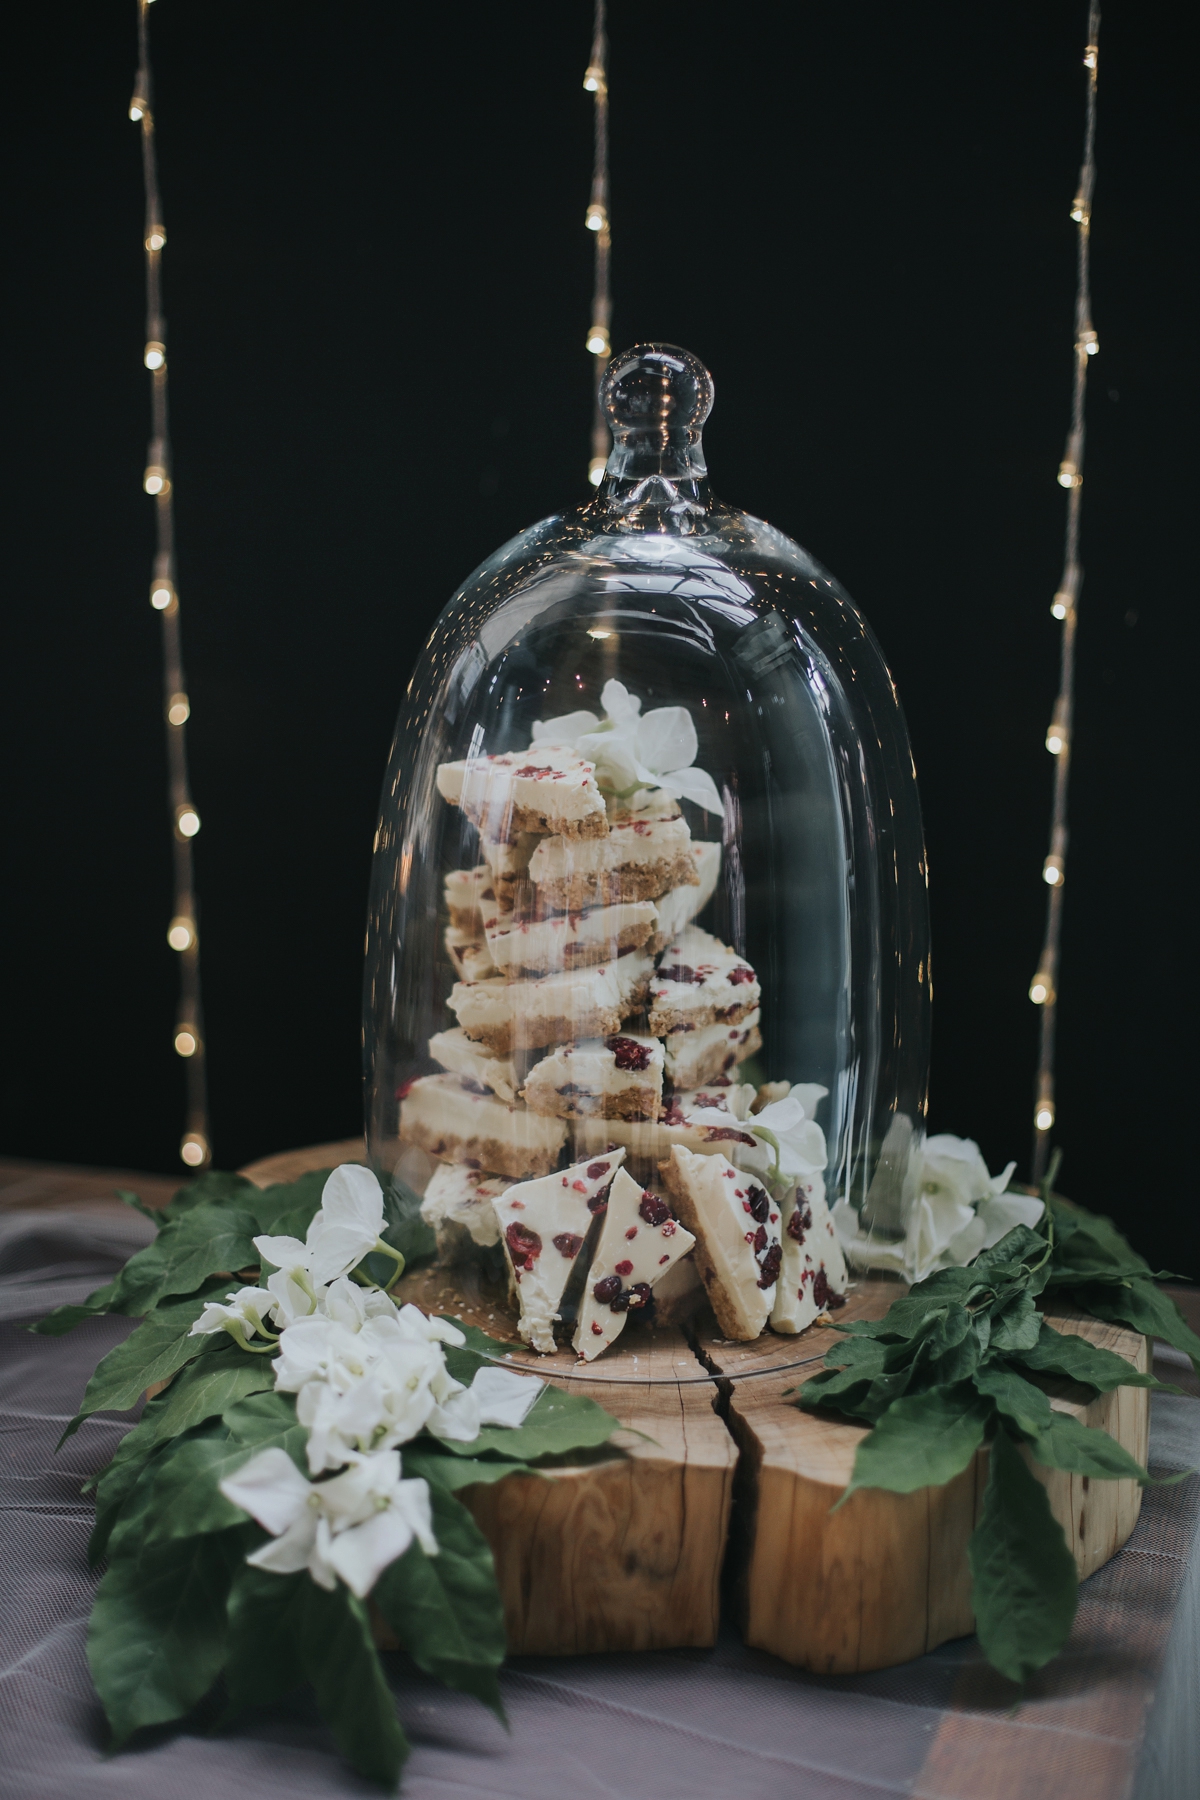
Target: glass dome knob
[656, 398]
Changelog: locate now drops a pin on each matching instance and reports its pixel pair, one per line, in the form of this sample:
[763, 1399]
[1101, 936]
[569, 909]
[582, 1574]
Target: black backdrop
[377, 287]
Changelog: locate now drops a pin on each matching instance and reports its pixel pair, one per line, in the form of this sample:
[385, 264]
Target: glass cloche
[649, 902]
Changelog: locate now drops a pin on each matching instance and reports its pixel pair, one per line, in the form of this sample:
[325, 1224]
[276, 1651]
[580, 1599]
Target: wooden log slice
[624, 1550]
[886, 1577]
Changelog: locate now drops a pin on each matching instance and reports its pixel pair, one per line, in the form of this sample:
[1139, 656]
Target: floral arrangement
[291, 1483]
[633, 750]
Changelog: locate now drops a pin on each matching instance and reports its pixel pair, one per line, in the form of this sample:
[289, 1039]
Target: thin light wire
[1044, 987]
[183, 935]
[597, 220]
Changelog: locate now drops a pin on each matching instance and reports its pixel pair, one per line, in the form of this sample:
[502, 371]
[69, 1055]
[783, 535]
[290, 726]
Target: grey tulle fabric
[1115, 1716]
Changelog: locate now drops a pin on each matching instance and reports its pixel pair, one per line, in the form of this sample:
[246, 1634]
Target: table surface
[1113, 1718]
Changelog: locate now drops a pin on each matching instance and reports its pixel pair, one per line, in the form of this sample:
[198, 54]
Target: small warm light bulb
[179, 712]
[181, 933]
[593, 79]
[1090, 57]
[596, 217]
[194, 1150]
[598, 631]
[155, 355]
[156, 480]
[161, 595]
[597, 341]
[1041, 988]
[1043, 1116]
[156, 235]
[1088, 340]
[1052, 871]
[1056, 739]
[187, 1040]
[187, 821]
[596, 470]
[1060, 606]
[137, 108]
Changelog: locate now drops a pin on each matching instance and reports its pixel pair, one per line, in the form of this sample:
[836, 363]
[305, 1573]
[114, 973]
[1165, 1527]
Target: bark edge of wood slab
[625, 1552]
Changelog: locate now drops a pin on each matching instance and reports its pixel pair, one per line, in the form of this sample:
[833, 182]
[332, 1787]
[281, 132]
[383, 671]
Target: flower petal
[361, 1554]
[504, 1397]
[619, 704]
[282, 1252]
[353, 1196]
[666, 739]
[565, 730]
[288, 1554]
[270, 1488]
[696, 785]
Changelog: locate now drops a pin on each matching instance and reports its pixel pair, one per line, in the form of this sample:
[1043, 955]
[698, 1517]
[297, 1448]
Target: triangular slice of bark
[543, 1225]
[639, 1241]
[812, 1278]
[737, 1226]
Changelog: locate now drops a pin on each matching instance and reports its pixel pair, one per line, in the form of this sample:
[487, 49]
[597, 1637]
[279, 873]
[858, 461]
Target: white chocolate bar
[682, 904]
[615, 1078]
[700, 981]
[468, 892]
[460, 1121]
[697, 1057]
[569, 940]
[456, 1053]
[640, 1240]
[541, 789]
[558, 1009]
[458, 1205]
[812, 1278]
[646, 852]
[544, 1226]
[736, 1224]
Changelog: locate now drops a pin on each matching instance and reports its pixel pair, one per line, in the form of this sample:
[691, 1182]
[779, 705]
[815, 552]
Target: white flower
[353, 1525]
[957, 1210]
[795, 1140]
[505, 1398]
[346, 1227]
[241, 1315]
[630, 751]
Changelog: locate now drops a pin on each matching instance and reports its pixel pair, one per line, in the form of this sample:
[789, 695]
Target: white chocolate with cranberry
[568, 940]
[558, 1009]
[812, 1276]
[648, 1143]
[699, 982]
[639, 1242]
[615, 1078]
[696, 1058]
[736, 1225]
[541, 789]
[678, 907]
[543, 1226]
[468, 892]
[647, 852]
[457, 1120]
[458, 1201]
[460, 1056]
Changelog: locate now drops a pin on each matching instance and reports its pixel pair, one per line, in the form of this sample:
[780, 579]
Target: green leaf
[1066, 1443]
[1085, 1242]
[1143, 1307]
[923, 1440]
[1022, 1403]
[206, 1241]
[183, 1498]
[214, 1187]
[114, 1488]
[263, 1419]
[160, 1346]
[1073, 1358]
[454, 1472]
[140, 1206]
[1024, 1577]
[555, 1425]
[156, 1640]
[287, 1208]
[284, 1629]
[66, 1318]
[446, 1609]
[1015, 1326]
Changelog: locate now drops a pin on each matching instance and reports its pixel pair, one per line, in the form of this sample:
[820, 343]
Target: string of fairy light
[596, 219]
[1043, 990]
[182, 933]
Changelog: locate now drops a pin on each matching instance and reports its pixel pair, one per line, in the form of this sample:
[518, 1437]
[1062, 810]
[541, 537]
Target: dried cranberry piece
[607, 1289]
[623, 1268]
[597, 1330]
[653, 1210]
[639, 1295]
[679, 972]
[628, 1053]
[740, 974]
[619, 1302]
[524, 1246]
[721, 1134]
[823, 1294]
[770, 1267]
[760, 1240]
[760, 1206]
[672, 1115]
[598, 1203]
[800, 1222]
[568, 1243]
[596, 1170]
[835, 1300]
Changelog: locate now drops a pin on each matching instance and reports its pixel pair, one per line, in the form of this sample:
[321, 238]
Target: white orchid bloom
[631, 751]
[241, 1314]
[795, 1141]
[346, 1227]
[953, 1168]
[354, 1525]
